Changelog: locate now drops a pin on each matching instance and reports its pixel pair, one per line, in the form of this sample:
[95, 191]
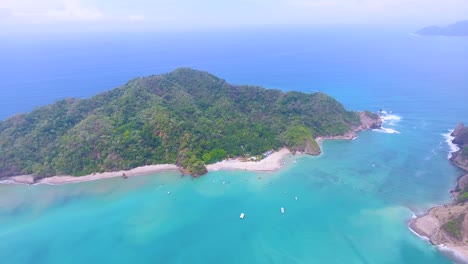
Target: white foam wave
[388, 118]
[453, 147]
[454, 254]
[386, 130]
[7, 182]
[418, 235]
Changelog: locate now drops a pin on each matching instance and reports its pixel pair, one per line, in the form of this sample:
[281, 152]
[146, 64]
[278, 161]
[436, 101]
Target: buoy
[242, 215]
[282, 210]
[168, 192]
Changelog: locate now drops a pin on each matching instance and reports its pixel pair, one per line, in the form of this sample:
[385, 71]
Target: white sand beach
[270, 163]
[150, 169]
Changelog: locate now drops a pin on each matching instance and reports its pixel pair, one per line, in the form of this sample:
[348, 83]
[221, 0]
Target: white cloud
[118, 14]
[49, 11]
[377, 11]
[74, 10]
[136, 17]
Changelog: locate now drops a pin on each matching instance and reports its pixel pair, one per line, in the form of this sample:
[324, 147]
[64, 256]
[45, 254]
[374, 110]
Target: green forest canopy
[185, 117]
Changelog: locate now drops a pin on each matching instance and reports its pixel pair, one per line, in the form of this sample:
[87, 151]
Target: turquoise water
[354, 200]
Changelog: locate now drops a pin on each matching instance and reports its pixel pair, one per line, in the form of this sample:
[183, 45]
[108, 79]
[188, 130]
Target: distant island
[448, 224]
[185, 118]
[458, 29]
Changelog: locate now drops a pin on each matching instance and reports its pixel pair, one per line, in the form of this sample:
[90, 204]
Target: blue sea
[353, 201]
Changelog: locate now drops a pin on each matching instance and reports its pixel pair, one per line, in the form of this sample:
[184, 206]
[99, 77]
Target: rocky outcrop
[369, 120]
[445, 224]
[460, 158]
[311, 147]
[458, 130]
[448, 224]
[462, 186]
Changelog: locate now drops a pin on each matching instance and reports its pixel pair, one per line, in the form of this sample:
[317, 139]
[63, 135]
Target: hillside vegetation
[186, 117]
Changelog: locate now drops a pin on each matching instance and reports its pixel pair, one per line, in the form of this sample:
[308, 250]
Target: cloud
[186, 14]
[377, 11]
[74, 10]
[48, 11]
[4, 13]
[136, 17]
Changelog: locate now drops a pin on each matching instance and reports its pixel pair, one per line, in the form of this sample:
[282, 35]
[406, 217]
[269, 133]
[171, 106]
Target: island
[458, 29]
[186, 119]
[447, 225]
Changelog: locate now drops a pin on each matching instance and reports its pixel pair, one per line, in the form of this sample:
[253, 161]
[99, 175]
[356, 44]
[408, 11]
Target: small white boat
[282, 210]
[242, 215]
[295, 198]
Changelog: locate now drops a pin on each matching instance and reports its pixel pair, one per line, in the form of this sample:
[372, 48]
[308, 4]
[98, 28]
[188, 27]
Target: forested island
[448, 224]
[186, 117]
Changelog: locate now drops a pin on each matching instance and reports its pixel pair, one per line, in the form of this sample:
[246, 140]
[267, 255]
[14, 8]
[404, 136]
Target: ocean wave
[454, 254]
[418, 235]
[7, 182]
[386, 130]
[453, 147]
[388, 118]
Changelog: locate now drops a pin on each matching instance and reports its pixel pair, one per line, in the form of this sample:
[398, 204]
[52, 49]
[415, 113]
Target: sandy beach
[270, 163]
[430, 225]
[56, 180]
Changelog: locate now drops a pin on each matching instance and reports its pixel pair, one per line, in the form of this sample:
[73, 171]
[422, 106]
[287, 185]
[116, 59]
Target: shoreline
[427, 227]
[271, 163]
[432, 226]
[66, 179]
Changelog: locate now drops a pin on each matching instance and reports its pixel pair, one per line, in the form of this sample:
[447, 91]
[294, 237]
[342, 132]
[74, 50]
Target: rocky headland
[447, 225]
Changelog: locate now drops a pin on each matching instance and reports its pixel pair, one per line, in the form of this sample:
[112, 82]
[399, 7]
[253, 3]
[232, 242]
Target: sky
[118, 15]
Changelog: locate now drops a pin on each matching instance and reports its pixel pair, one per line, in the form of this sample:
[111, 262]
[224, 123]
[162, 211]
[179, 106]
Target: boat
[295, 198]
[242, 215]
[282, 210]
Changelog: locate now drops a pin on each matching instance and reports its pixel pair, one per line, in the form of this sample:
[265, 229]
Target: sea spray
[386, 130]
[388, 119]
[452, 147]
[452, 254]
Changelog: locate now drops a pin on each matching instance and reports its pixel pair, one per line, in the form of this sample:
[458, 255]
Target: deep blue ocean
[354, 200]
